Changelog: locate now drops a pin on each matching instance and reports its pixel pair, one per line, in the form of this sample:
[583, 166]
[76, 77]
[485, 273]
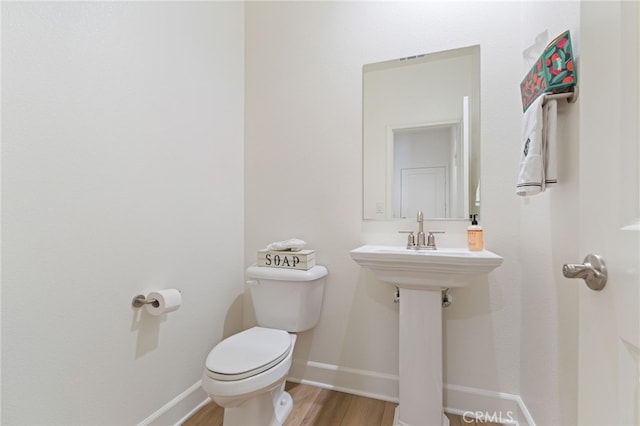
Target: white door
[609, 333]
[423, 189]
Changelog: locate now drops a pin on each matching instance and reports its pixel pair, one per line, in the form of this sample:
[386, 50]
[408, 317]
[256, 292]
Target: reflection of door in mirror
[421, 136]
[426, 164]
[420, 184]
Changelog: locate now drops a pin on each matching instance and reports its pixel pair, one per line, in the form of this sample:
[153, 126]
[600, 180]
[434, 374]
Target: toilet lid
[248, 353]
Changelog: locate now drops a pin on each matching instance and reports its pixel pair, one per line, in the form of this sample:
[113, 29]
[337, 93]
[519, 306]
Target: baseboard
[180, 408]
[465, 401]
[370, 384]
[498, 407]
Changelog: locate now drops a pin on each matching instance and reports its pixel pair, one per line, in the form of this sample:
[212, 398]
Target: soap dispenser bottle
[474, 235]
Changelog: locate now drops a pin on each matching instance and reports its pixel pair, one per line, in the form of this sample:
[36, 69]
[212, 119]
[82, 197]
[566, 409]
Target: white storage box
[302, 259]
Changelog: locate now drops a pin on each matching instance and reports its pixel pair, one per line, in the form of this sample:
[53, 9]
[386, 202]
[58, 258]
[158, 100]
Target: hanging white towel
[538, 164]
[531, 176]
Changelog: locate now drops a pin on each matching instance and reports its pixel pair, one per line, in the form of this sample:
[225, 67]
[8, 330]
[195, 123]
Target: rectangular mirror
[421, 136]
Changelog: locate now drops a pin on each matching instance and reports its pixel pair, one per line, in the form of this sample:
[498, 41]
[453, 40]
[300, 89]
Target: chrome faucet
[421, 243]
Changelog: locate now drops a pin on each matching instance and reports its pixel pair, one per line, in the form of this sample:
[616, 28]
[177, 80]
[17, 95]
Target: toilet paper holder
[139, 301]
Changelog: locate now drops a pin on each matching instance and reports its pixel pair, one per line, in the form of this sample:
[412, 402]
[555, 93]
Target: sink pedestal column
[420, 354]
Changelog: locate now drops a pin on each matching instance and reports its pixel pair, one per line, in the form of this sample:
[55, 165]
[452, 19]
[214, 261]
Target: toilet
[245, 373]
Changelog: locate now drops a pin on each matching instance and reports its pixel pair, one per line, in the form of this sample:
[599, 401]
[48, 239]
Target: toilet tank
[287, 299]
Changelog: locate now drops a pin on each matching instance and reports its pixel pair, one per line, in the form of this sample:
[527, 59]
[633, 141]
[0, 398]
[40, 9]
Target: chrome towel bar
[571, 97]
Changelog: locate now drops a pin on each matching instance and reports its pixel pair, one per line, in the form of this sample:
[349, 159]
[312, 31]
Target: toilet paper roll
[168, 300]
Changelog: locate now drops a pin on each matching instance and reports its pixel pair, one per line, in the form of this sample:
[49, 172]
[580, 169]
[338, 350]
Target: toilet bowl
[245, 373]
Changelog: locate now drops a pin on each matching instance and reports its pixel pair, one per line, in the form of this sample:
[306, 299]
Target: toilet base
[267, 409]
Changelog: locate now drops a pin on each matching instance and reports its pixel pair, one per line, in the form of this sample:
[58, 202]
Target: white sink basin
[425, 269]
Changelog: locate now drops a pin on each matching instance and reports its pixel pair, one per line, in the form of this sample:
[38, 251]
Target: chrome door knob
[593, 271]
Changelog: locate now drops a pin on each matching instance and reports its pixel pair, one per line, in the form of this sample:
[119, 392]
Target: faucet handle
[411, 239]
[431, 239]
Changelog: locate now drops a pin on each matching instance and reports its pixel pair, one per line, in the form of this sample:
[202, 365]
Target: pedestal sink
[421, 275]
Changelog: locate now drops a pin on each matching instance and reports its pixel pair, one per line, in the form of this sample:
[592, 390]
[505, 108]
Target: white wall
[548, 238]
[303, 178]
[122, 132]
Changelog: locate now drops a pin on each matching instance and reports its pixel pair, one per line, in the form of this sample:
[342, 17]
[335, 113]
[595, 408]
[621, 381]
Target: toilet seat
[248, 353]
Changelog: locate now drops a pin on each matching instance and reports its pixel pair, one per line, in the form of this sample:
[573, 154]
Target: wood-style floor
[315, 406]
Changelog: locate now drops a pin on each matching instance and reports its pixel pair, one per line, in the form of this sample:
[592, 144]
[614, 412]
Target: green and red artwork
[553, 72]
